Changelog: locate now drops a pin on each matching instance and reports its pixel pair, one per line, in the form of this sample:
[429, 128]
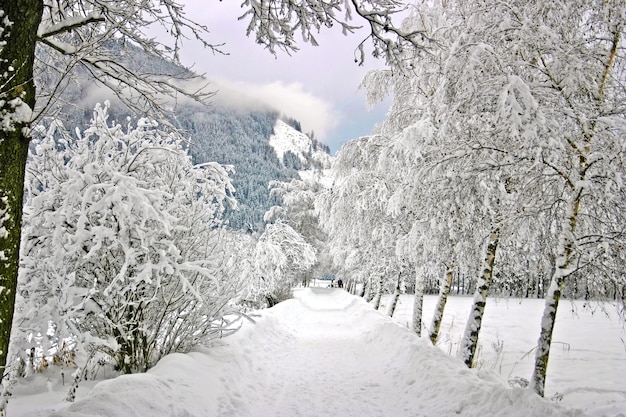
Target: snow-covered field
[587, 366]
[327, 353]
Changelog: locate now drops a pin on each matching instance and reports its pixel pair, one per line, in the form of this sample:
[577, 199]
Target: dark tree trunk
[379, 293]
[17, 57]
[393, 301]
[363, 290]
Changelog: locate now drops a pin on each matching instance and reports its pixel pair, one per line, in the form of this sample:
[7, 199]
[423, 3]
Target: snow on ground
[587, 367]
[324, 353]
[286, 138]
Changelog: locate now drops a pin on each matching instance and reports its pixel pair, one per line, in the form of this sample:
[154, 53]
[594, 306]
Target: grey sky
[316, 85]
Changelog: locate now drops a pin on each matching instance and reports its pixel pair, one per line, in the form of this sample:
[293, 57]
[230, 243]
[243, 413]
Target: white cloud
[290, 99]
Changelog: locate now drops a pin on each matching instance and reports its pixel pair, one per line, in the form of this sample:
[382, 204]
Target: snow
[286, 138]
[20, 113]
[323, 353]
[588, 356]
[323, 177]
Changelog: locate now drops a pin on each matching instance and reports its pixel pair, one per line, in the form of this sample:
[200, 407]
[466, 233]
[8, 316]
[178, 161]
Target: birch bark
[418, 303]
[444, 291]
[472, 329]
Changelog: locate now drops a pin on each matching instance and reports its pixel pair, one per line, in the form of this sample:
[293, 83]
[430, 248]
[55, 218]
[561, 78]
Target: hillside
[297, 150]
[220, 132]
[260, 146]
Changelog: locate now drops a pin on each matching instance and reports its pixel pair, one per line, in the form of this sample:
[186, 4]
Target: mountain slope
[220, 132]
[250, 141]
[296, 149]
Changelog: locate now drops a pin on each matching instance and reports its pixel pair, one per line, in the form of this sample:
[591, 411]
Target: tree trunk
[363, 289]
[393, 302]
[16, 63]
[369, 290]
[474, 322]
[418, 302]
[567, 238]
[379, 294]
[564, 256]
[441, 304]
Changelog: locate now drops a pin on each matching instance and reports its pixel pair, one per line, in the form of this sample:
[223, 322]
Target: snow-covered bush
[119, 234]
[280, 254]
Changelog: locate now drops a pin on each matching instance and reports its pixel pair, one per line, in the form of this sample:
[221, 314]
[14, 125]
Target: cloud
[316, 85]
[290, 99]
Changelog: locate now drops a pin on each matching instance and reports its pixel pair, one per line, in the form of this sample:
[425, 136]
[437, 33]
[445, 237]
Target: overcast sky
[317, 85]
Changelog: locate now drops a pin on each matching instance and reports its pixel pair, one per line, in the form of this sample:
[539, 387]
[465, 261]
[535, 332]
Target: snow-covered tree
[528, 106]
[70, 32]
[276, 23]
[298, 211]
[365, 239]
[119, 242]
[541, 89]
[280, 255]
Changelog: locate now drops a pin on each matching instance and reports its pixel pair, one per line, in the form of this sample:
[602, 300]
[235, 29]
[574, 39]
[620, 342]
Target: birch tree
[531, 117]
[585, 77]
[565, 115]
[540, 87]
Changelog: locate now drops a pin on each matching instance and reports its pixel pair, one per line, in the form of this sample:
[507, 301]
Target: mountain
[251, 137]
[259, 145]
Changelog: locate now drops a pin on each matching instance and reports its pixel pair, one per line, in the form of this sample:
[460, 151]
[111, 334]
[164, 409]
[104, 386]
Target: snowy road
[324, 353]
[324, 368]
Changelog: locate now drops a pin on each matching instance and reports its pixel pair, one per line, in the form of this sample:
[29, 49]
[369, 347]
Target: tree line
[501, 160]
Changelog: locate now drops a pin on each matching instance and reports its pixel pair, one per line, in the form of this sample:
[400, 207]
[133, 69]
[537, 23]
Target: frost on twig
[92, 37]
[276, 23]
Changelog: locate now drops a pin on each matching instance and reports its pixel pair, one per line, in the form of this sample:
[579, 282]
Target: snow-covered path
[323, 366]
[324, 353]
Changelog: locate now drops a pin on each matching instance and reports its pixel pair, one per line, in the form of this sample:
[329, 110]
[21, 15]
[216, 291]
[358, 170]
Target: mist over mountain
[233, 129]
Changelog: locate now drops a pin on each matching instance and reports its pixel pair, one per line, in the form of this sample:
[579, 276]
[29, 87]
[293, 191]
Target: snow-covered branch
[67, 25]
[276, 22]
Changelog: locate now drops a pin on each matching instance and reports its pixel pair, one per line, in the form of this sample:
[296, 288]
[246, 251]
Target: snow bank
[587, 362]
[323, 353]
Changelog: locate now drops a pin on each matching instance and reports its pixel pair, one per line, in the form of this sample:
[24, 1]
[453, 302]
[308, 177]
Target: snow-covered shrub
[280, 254]
[119, 230]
